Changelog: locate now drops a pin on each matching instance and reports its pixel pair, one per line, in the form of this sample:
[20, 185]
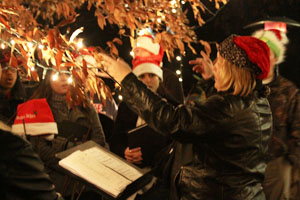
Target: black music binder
[110, 175]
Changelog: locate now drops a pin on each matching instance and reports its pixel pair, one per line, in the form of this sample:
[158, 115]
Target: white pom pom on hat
[276, 40]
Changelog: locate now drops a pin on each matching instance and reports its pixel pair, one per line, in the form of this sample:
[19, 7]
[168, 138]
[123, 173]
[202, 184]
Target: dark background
[231, 18]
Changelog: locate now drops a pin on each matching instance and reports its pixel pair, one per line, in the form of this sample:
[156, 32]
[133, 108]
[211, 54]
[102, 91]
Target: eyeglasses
[6, 68]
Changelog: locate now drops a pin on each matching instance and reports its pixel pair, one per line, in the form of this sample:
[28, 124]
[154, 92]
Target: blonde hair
[241, 80]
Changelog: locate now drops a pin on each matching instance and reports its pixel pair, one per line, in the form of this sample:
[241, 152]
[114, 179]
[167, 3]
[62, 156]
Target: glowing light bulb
[80, 44]
[70, 80]
[178, 58]
[32, 68]
[120, 97]
[132, 53]
[41, 46]
[30, 44]
[180, 79]
[3, 46]
[12, 42]
[178, 72]
[55, 76]
[174, 10]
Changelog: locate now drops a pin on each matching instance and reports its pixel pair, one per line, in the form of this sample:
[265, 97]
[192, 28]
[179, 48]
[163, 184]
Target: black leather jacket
[230, 135]
[22, 175]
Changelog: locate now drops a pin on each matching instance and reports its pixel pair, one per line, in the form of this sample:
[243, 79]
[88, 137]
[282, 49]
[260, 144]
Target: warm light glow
[132, 53]
[80, 44]
[32, 69]
[174, 10]
[178, 72]
[178, 58]
[159, 20]
[70, 80]
[180, 79]
[55, 76]
[173, 2]
[120, 97]
[12, 42]
[41, 46]
[182, 2]
[3, 46]
[30, 44]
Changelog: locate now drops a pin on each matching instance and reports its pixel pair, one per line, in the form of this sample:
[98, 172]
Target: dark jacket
[229, 134]
[22, 173]
[8, 105]
[285, 105]
[126, 120]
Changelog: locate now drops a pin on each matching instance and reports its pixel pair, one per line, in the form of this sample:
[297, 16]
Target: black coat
[230, 135]
[22, 173]
[126, 119]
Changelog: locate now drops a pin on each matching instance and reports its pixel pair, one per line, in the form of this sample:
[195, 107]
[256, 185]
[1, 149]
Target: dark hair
[44, 90]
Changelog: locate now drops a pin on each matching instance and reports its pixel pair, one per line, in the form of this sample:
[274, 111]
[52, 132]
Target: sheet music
[113, 163]
[101, 169]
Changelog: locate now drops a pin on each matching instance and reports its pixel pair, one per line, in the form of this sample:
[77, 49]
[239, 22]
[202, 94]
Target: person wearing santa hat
[230, 131]
[75, 124]
[22, 174]
[147, 66]
[282, 173]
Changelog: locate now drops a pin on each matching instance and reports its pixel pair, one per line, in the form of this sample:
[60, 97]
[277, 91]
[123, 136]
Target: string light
[3, 46]
[180, 79]
[178, 58]
[41, 46]
[132, 53]
[120, 97]
[12, 42]
[55, 76]
[30, 44]
[174, 10]
[178, 72]
[70, 80]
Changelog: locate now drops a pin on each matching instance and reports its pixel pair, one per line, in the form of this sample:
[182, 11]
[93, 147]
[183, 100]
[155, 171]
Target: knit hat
[276, 41]
[247, 52]
[34, 117]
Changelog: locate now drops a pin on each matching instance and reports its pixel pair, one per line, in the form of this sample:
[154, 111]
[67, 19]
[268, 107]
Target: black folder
[130, 188]
[150, 142]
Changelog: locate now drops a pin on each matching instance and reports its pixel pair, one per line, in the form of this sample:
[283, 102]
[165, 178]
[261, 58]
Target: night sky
[220, 23]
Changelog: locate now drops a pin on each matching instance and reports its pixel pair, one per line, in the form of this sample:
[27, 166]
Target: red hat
[276, 41]
[34, 117]
[247, 52]
[142, 66]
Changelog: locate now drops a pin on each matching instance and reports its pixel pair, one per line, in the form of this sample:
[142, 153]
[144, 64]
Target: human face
[151, 80]
[140, 52]
[60, 85]
[8, 78]
[216, 70]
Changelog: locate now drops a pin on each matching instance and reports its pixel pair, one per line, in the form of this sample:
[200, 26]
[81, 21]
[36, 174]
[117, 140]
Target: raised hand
[203, 65]
[117, 68]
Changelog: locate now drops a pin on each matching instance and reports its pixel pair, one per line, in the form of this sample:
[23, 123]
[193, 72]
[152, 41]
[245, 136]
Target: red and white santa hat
[142, 66]
[147, 42]
[150, 64]
[276, 41]
[34, 117]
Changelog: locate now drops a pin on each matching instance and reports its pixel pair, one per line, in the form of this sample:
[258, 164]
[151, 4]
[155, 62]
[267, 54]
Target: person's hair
[44, 90]
[240, 81]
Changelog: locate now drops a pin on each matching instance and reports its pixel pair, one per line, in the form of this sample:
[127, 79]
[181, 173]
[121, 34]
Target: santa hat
[247, 52]
[150, 64]
[142, 66]
[34, 117]
[147, 42]
[276, 41]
